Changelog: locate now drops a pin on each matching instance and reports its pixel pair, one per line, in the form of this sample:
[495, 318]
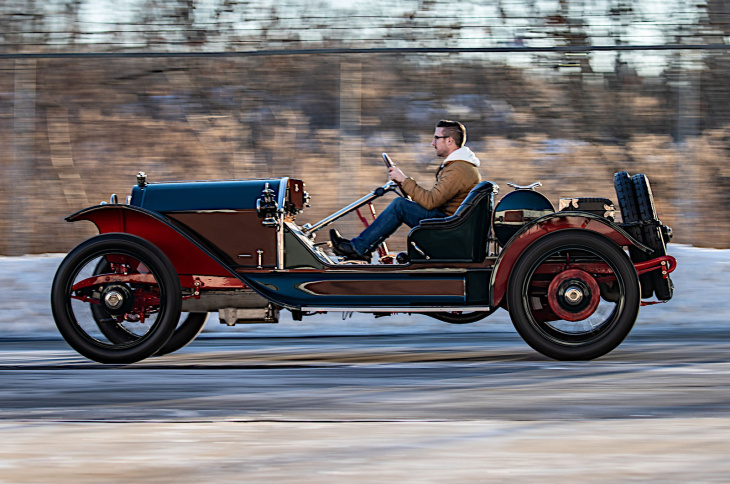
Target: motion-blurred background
[566, 92]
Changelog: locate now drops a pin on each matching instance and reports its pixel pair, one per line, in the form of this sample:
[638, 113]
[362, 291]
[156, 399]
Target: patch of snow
[701, 286]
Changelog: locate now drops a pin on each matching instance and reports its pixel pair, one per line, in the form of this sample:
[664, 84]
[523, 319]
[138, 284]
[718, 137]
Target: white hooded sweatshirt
[463, 154]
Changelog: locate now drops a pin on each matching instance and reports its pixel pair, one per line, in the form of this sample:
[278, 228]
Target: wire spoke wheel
[119, 331]
[574, 296]
[116, 298]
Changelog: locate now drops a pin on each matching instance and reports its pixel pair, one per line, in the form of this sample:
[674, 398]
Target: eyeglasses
[441, 137]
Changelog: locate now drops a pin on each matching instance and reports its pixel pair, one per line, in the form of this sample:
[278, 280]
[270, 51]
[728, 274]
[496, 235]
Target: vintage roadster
[572, 279]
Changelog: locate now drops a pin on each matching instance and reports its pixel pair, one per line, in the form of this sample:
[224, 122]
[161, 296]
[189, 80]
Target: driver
[456, 176]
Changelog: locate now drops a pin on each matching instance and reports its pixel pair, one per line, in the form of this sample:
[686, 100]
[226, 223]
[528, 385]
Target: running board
[373, 309]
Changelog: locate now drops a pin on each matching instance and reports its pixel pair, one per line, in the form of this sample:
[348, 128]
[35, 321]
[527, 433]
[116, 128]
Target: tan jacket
[453, 182]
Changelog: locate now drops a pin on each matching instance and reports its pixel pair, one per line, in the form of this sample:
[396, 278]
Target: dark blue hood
[201, 195]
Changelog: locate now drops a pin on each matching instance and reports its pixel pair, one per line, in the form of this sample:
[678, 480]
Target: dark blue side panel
[360, 289]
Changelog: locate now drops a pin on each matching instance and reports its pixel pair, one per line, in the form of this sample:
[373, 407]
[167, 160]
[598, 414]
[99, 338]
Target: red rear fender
[547, 225]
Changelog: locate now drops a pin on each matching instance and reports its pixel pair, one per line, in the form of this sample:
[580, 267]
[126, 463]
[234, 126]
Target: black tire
[626, 197]
[626, 194]
[158, 298]
[652, 237]
[461, 317]
[601, 330]
[189, 327]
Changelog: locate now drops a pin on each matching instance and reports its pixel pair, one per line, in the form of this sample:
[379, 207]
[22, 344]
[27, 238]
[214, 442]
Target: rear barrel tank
[517, 209]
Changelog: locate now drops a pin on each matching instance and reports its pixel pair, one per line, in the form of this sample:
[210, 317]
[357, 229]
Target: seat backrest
[463, 235]
[480, 190]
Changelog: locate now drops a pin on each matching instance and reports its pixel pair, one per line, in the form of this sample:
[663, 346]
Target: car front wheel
[140, 295]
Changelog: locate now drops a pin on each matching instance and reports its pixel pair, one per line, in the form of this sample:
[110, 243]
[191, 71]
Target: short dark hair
[453, 129]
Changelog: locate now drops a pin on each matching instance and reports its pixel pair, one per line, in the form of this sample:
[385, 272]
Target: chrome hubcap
[114, 300]
[573, 295]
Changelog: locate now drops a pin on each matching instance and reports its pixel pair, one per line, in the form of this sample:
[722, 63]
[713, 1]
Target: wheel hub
[117, 299]
[573, 295]
[114, 299]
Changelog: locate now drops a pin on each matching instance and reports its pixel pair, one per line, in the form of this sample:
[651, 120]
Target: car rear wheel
[140, 294]
[573, 295]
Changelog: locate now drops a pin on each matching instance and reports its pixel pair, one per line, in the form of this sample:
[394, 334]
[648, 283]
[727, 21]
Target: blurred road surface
[466, 407]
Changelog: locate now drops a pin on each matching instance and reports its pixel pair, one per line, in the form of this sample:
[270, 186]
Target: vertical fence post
[61, 152]
[350, 120]
[688, 128]
[23, 155]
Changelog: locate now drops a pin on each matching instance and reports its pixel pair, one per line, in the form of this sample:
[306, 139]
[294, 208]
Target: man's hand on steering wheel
[398, 177]
[396, 174]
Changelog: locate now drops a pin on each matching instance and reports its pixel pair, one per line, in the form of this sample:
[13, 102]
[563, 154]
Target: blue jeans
[400, 211]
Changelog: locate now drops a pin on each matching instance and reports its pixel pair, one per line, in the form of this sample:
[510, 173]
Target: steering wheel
[388, 164]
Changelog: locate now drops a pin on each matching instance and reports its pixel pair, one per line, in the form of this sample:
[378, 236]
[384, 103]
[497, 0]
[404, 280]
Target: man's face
[443, 146]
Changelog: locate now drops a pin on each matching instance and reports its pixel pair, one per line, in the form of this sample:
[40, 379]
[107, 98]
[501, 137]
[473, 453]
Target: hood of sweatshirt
[463, 154]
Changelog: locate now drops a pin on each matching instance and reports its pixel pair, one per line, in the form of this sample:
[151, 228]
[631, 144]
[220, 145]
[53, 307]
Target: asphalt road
[468, 407]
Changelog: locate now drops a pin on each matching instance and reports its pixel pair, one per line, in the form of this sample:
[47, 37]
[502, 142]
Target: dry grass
[96, 124]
